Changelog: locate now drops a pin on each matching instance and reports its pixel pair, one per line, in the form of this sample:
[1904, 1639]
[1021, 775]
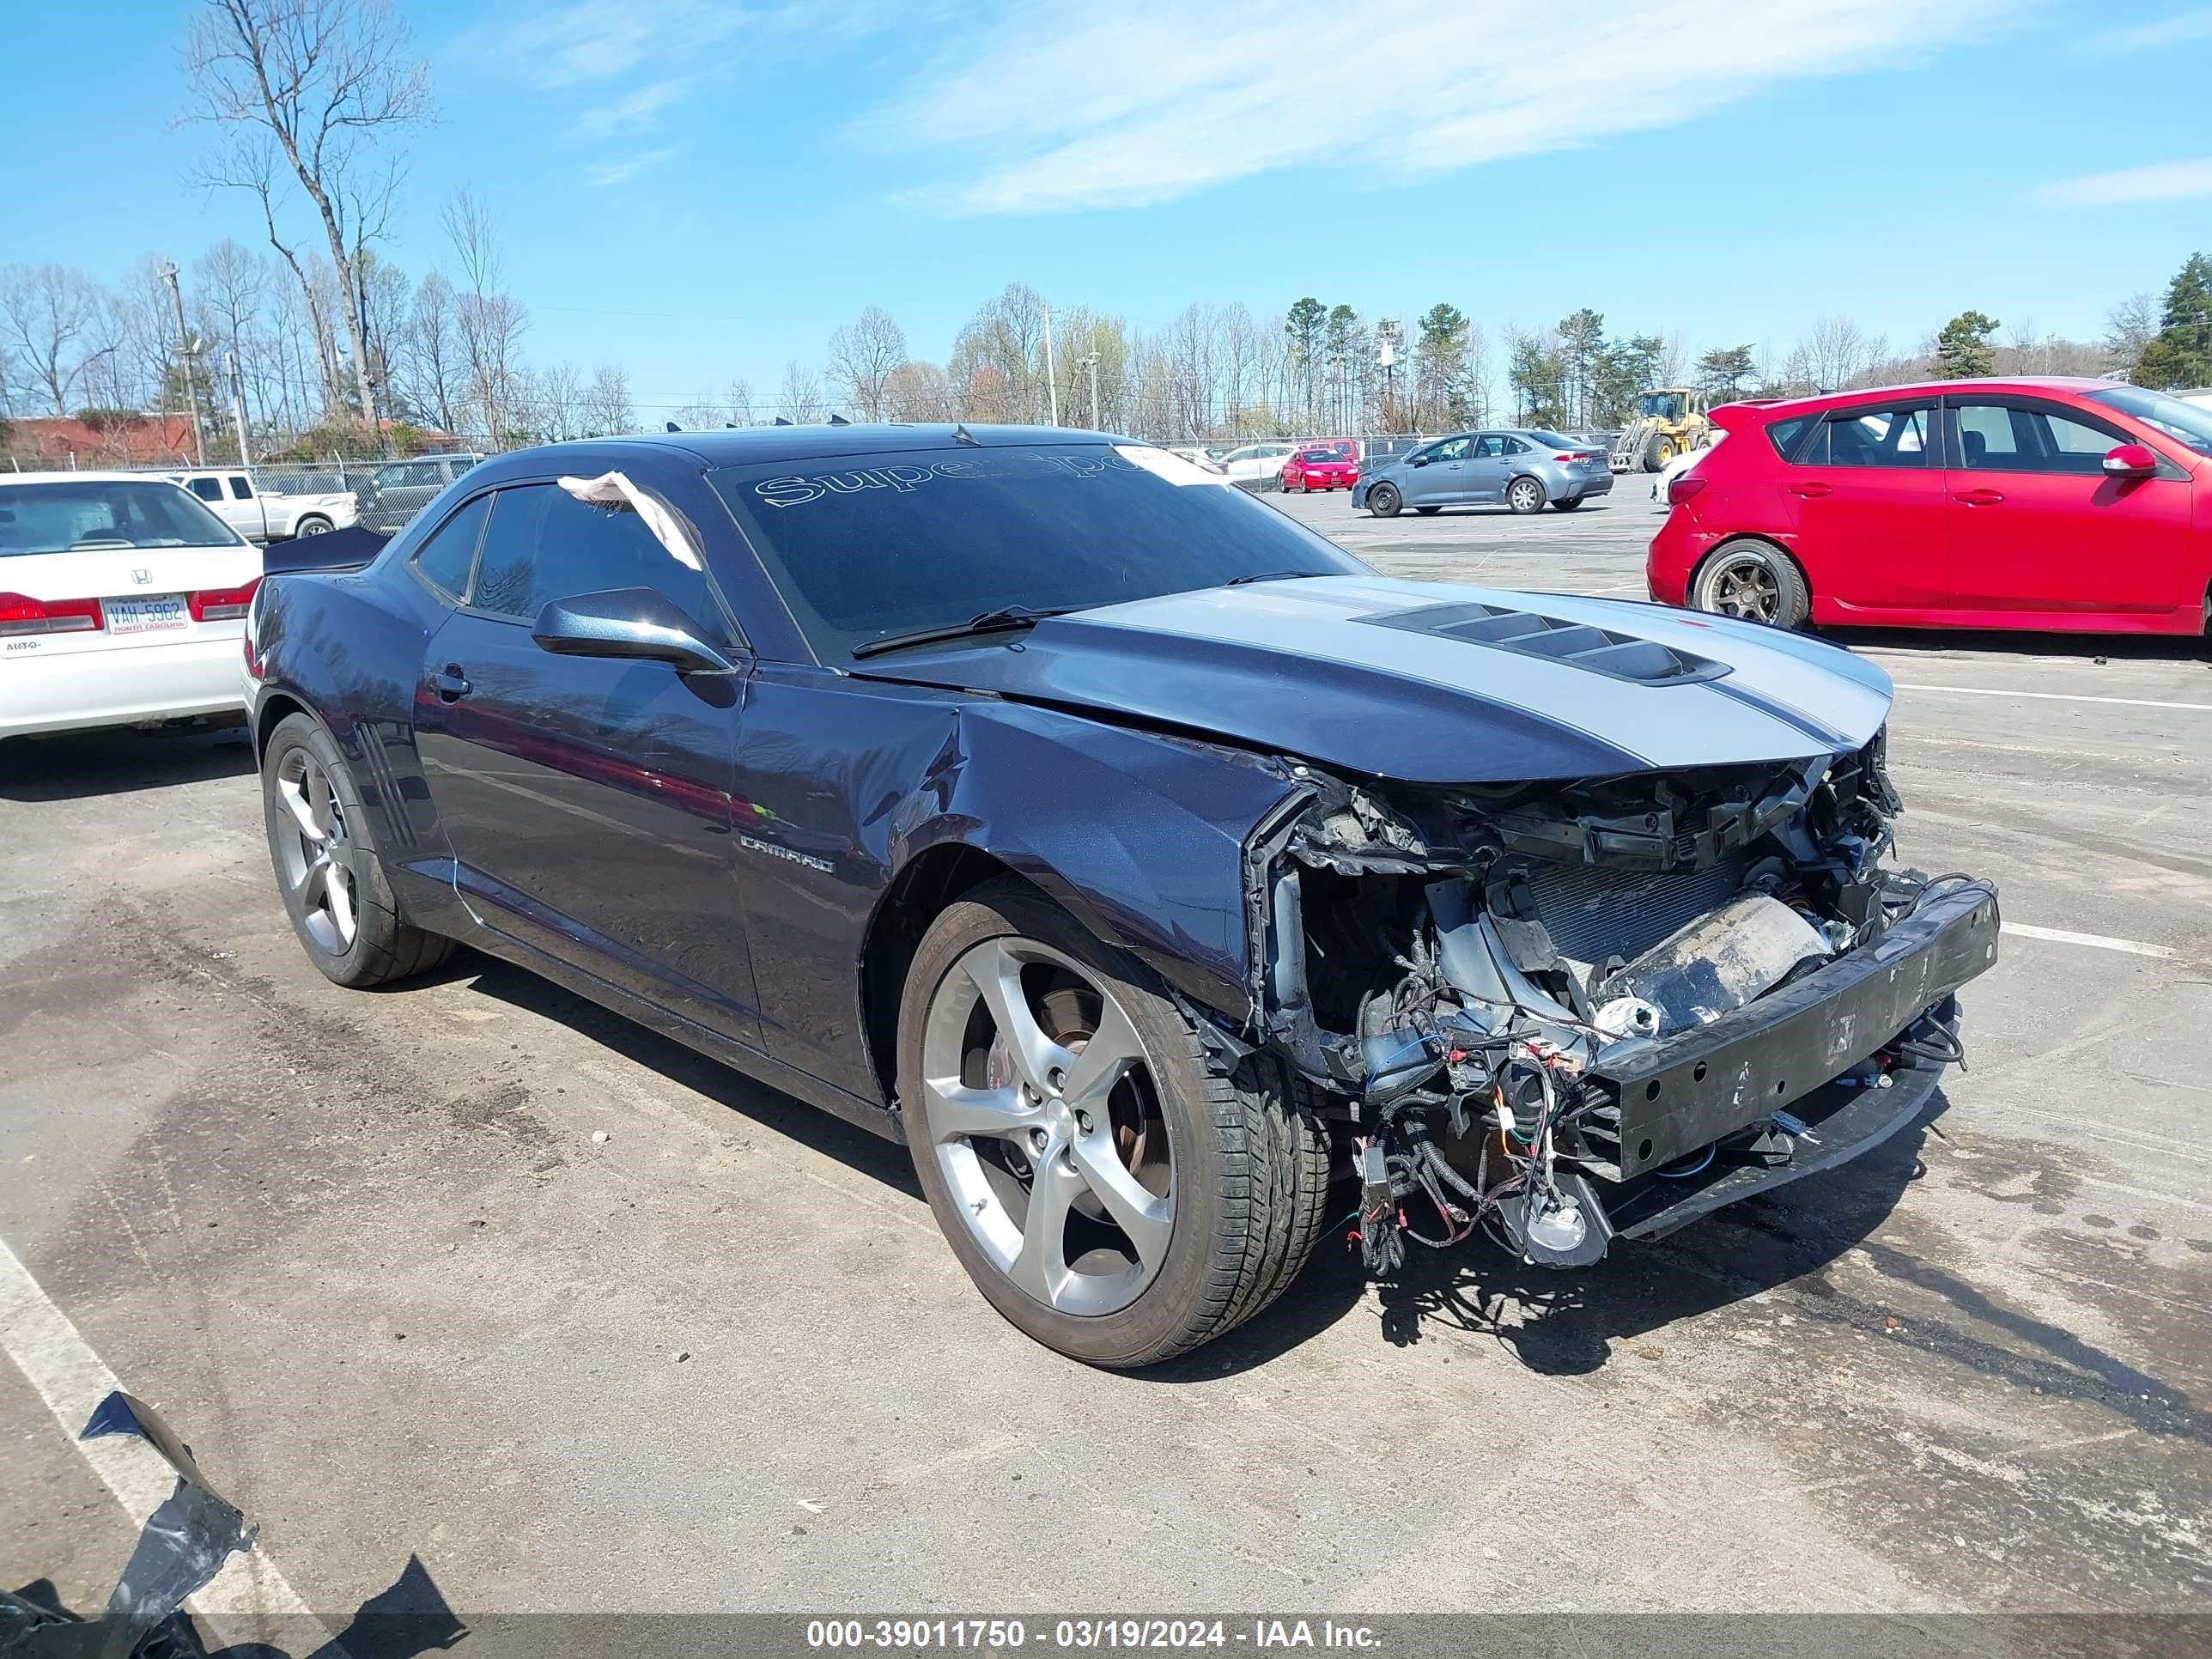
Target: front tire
[1754, 580]
[1525, 495]
[1383, 500]
[1110, 1194]
[324, 855]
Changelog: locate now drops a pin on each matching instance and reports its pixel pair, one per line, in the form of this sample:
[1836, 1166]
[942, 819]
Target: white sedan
[122, 599]
[1681, 463]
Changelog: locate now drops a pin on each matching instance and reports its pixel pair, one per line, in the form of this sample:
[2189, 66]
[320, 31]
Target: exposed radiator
[1593, 913]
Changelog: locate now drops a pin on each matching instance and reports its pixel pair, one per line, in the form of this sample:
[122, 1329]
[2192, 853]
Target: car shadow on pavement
[1569, 1322]
[2094, 649]
[831, 1136]
[81, 765]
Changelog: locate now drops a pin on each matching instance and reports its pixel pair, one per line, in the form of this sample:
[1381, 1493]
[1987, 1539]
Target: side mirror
[2130, 461]
[1420, 460]
[627, 622]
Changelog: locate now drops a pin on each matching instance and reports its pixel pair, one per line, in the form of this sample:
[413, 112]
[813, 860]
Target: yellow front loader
[1670, 421]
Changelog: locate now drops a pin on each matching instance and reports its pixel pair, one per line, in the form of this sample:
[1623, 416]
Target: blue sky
[699, 188]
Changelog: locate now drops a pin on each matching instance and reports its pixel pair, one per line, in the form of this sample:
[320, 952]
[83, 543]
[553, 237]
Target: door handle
[1979, 497]
[1810, 488]
[453, 684]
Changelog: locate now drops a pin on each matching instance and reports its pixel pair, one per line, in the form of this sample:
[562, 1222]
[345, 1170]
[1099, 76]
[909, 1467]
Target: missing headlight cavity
[1563, 1012]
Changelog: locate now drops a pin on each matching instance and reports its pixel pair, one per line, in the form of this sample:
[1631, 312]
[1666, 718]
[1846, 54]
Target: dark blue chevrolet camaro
[1157, 871]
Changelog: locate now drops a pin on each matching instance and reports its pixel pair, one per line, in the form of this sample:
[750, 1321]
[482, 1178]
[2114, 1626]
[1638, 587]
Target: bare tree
[561, 401]
[701, 413]
[863, 355]
[606, 404]
[737, 398]
[45, 312]
[431, 364]
[2129, 327]
[1837, 352]
[491, 321]
[324, 81]
[917, 390]
[799, 397]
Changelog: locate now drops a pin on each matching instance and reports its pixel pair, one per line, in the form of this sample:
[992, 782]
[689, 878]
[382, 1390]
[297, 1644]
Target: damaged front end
[1570, 1014]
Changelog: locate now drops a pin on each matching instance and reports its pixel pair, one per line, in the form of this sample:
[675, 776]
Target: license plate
[155, 613]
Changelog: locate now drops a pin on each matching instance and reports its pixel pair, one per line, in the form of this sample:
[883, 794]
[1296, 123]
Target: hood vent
[1619, 656]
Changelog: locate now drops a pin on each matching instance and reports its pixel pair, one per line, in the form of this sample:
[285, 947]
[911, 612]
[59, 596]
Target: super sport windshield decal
[905, 478]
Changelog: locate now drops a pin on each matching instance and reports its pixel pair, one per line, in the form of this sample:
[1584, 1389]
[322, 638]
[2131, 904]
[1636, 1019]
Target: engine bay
[1533, 1010]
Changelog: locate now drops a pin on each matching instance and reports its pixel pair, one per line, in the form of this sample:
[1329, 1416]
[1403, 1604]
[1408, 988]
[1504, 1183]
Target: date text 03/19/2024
[1086, 1635]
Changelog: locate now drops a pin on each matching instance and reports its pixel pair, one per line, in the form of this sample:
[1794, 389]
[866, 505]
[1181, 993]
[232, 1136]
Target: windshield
[96, 512]
[1660, 405]
[2188, 424]
[870, 546]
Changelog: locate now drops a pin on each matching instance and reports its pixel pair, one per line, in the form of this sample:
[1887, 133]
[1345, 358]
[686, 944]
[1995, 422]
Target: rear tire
[314, 524]
[1222, 1209]
[1525, 495]
[1427, 511]
[324, 855]
[1568, 505]
[1754, 580]
[1383, 500]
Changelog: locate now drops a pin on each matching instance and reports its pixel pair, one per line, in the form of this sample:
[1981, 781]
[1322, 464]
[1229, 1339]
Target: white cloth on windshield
[615, 489]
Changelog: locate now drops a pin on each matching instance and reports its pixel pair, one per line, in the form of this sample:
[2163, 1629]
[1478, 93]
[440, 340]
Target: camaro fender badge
[788, 855]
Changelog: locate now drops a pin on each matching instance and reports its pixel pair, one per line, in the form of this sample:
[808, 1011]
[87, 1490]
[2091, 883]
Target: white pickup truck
[262, 515]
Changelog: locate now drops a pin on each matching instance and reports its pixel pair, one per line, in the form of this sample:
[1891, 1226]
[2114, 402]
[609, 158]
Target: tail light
[1566, 457]
[20, 614]
[252, 658]
[1679, 491]
[221, 603]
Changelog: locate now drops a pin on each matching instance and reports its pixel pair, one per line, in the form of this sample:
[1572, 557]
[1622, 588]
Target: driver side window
[544, 544]
[1452, 449]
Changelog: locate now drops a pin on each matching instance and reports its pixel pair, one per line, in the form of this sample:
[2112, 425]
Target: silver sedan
[1521, 468]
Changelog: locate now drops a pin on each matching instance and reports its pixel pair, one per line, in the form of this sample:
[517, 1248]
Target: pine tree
[2179, 356]
[1962, 347]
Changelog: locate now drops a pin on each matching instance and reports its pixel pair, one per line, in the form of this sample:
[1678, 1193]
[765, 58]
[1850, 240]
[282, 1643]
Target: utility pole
[1089, 360]
[235, 375]
[1051, 379]
[185, 357]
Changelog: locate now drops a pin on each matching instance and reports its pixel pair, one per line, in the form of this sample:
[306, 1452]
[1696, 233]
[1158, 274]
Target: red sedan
[2080, 506]
[1321, 466]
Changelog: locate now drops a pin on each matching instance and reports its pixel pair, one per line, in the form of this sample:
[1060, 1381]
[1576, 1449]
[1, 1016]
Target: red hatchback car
[2081, 506]
[1330, 465]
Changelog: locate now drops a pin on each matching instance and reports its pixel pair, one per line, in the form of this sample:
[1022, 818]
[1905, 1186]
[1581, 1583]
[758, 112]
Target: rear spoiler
[350, 549]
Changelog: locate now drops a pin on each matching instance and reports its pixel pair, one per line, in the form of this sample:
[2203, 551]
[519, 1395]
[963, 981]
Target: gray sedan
[1521, 469]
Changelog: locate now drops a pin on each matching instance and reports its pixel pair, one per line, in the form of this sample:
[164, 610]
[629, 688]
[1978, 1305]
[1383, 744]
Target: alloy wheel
[1525, 496]
[1746, 587]
[313, 852]
[1039, 1106]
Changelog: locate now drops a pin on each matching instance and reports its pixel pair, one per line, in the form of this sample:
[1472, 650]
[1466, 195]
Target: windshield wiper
[987, 622]
[1273, 576]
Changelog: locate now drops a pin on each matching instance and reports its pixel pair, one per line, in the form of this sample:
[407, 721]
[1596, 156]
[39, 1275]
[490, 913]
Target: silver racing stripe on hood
[1784, 696]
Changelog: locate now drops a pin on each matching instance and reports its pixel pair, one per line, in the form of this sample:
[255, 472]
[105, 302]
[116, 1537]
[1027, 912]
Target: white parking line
[249, 1595]
[2134, 947]
[2054, 696]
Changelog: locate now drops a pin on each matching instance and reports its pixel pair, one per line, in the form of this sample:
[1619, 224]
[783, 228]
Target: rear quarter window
[1787, 435]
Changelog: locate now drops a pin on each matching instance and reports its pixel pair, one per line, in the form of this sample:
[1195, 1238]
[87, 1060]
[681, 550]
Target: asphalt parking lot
[368, 1253]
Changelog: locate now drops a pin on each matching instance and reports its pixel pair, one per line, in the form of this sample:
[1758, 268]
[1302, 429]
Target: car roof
[2078, 384]
[87, 476]
[756, 445]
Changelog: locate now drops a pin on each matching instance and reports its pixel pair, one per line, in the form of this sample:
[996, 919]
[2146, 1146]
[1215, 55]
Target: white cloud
[2165, 181]
[636, 109]
[1066, 106]
[2166, 32]
[608, 174]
